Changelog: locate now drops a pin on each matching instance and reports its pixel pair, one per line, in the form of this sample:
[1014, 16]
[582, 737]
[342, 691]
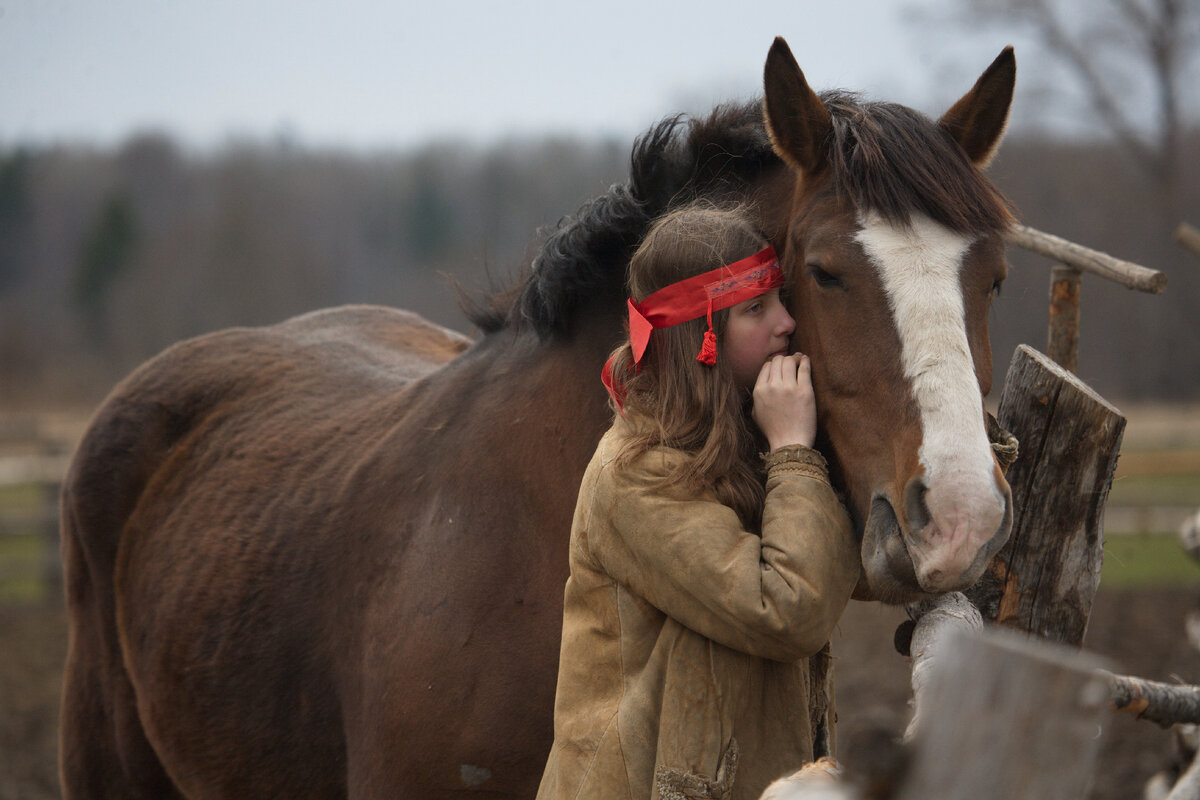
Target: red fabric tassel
[708, 351]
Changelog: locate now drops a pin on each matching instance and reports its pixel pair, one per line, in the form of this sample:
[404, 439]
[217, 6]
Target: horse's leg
[103, 750]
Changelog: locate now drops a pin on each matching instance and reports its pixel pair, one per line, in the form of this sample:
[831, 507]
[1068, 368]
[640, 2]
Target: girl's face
[757, 329]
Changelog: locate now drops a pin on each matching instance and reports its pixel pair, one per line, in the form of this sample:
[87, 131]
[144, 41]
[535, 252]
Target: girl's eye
[825, 280]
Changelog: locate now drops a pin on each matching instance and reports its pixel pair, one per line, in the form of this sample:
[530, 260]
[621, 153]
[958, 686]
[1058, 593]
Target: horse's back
[297, 371]
[203, 492]
[242, 389]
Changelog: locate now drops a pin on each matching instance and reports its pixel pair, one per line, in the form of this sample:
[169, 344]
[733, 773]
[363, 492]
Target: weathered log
[1189, 535]
[1015, 717]
[1044, 579]
[1126, 273]
[1188, 785]
[997, 714]
[1188, 237]
[1164, 703]
[934, 620]
[820, 780]
[1181, 779]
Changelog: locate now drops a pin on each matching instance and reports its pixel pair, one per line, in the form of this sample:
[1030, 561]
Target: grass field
[23, 570]
[1139, 561]
[1150, 489]
[25, 554]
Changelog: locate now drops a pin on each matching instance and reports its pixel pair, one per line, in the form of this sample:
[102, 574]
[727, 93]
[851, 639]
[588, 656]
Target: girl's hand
[785, 409]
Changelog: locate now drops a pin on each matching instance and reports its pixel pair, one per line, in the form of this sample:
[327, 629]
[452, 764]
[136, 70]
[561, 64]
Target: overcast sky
[394, 74]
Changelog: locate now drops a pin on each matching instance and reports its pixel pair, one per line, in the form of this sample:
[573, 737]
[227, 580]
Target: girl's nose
[785, 324]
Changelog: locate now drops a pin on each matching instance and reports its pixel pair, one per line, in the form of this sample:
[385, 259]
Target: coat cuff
[796, 458]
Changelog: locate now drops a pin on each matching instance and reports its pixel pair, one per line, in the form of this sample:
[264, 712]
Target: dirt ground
[1142, 631]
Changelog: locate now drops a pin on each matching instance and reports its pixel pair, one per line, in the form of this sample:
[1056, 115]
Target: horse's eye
[826, 280]
[994, 289]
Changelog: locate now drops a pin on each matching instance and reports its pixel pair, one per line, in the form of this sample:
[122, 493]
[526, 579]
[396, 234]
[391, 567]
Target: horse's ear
[797, 120]
[978, 119]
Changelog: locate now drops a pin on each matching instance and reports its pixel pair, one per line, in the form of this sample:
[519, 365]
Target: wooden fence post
[1005, 716]
[1016, 717]
[1044, 579]
[1062, 340]
[1188, 237]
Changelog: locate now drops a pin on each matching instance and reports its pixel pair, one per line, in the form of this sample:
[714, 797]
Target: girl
[694, 657]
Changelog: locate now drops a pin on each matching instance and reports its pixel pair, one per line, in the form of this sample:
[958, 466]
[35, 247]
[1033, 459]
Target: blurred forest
[108, 256]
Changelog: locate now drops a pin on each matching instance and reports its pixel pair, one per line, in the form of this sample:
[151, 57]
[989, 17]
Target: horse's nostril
[915, 511]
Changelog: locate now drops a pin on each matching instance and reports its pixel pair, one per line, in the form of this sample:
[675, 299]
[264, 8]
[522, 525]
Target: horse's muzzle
[903, 565]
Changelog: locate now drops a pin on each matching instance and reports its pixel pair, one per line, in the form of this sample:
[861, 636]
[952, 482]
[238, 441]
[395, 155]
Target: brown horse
[895, 245]
[326, 558]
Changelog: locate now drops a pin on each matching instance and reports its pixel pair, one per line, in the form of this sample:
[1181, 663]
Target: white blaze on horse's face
[956, 508]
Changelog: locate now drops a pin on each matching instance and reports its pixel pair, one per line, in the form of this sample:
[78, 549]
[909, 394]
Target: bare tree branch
[1163, 703]
[1159, 36]
[1073, 51]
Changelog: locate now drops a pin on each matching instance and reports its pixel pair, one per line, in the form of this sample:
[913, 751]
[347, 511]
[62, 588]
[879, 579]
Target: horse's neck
[557, 381]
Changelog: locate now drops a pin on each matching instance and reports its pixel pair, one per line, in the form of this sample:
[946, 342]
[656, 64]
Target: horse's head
[892, 237]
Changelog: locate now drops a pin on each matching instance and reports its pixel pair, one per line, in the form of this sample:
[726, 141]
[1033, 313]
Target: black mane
[893, 160]
[884, 157]
[677, 161]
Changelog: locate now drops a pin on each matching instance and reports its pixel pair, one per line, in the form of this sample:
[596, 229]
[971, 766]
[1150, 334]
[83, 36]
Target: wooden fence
[32, 466]
[1013, 711]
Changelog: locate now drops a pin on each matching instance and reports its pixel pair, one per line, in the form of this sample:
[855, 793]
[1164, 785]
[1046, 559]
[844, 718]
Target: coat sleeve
[776, 596]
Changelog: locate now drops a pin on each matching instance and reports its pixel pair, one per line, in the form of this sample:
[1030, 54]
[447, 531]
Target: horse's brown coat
[308, 545]
[848, 158]
[326, 558]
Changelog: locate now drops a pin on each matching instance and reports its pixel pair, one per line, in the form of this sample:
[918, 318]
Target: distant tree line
[106, 257]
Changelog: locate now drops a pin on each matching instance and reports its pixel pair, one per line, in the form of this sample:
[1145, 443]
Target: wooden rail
[33, 469]
[1062, 337]
[1126, 273]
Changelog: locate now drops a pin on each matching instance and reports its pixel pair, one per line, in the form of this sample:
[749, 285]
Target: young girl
[694, 657]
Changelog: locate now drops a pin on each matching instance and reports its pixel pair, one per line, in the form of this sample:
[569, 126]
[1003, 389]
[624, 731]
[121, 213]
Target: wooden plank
[1126, 273]
[41, 468]
[1164, 703]
[1009, 717]
[1044, 579]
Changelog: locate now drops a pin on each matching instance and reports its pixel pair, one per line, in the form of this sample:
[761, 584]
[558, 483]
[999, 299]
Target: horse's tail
[104, 750]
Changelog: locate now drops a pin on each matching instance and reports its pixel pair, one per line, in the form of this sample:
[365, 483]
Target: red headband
[696, 297]
[701, 295]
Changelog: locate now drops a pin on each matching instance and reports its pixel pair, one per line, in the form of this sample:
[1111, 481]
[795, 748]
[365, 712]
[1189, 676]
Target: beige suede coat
[694, 653]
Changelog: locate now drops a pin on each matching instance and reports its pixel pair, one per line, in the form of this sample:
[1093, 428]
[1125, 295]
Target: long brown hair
[671, 398]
